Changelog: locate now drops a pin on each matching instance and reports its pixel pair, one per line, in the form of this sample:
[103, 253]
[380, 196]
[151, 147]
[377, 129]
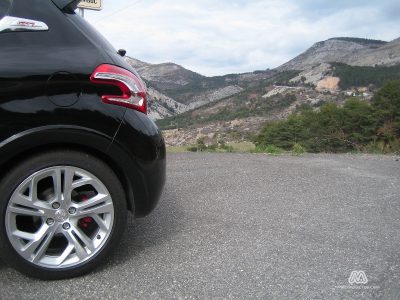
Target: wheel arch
[52, 138]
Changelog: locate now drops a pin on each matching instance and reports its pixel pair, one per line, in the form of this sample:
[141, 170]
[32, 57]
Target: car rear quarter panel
[33, 115]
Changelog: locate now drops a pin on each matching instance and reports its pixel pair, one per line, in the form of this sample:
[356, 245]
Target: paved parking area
[253, 226]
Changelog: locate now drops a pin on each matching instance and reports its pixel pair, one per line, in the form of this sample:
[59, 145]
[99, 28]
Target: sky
[235, 36]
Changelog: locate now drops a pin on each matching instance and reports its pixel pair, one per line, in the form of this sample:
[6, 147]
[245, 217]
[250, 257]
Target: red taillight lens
[134, 94]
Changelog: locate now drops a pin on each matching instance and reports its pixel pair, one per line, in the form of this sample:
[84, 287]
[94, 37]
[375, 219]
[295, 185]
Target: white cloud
[219, 37]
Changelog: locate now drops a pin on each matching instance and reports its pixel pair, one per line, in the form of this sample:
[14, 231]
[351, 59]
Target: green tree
[386, 103]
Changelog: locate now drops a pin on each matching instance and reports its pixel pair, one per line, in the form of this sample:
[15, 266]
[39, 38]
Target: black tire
[42, 161]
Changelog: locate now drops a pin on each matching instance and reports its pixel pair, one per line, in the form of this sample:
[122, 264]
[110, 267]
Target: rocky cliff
[350, 51]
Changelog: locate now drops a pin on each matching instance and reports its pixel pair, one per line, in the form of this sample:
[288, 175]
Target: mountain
[386, 55]
[164, 76]
[350, 51]
[174, 89]
[189, 106]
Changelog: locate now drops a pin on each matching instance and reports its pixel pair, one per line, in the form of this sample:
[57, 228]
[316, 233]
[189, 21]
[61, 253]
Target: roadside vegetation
[236, 147]
[356, 126]
[221, 146]
[271, 149]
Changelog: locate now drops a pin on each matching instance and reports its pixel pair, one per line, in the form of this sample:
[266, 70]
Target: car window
[5, 6]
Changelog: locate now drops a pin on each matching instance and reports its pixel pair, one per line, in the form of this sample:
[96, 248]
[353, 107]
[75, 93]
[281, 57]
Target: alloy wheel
[59, 217]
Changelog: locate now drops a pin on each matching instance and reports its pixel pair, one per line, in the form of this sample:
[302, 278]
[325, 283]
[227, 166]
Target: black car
[77, 150]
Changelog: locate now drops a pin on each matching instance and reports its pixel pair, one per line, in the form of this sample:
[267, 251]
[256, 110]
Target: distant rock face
[354, 52]
[214, 95]
[314, 74]
[167, 75]
[387, 55]
[280, 90]
[162, 106]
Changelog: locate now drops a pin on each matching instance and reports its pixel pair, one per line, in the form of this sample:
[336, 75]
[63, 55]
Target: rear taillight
[134, 94]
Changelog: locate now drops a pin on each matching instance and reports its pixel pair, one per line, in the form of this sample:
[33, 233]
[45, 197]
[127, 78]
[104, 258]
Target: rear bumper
[143, 161]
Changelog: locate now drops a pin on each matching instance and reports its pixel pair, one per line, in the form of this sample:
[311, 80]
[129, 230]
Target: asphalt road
[253, 226]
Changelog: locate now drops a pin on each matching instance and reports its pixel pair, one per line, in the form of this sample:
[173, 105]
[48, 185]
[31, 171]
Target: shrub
[192, 149]
[227, 148]
[298, 149]
[212, 147]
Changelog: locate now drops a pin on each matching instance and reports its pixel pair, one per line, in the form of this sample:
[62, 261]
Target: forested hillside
[357, 125]
[353, 76]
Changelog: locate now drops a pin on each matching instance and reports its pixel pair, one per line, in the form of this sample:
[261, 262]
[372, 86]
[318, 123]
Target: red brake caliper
[86, 221]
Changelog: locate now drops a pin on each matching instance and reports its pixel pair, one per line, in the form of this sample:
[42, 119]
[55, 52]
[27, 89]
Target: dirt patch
[328, 83]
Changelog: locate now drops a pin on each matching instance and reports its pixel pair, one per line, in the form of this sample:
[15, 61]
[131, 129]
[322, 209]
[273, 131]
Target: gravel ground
[252, 226]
